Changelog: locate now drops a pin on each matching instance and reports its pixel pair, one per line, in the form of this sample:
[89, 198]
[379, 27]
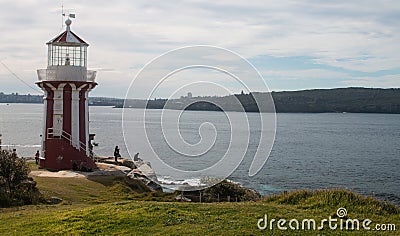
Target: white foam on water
[168, 180]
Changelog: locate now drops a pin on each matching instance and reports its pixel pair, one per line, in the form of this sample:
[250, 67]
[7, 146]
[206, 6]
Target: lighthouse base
[60, 155]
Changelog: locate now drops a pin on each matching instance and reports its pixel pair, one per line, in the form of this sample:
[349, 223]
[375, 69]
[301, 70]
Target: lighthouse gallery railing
[78, 73]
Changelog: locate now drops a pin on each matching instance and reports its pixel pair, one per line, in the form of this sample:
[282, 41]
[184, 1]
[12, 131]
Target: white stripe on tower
[57, 108]
[75, 116]
[44, 121]
[87, 120]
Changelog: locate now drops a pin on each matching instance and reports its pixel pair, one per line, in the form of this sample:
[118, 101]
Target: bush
[226, 189]
[334, 198]
[16, 187]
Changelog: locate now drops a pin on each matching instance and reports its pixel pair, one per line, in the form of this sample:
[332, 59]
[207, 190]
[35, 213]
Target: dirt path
[104, 169]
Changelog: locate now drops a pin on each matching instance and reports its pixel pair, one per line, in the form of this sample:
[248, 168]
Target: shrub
[16, 187]
[226, 189]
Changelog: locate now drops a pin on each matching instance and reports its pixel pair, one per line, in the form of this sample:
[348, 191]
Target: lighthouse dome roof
[68, 37]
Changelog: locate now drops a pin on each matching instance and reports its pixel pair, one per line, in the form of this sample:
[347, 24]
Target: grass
[107, 206]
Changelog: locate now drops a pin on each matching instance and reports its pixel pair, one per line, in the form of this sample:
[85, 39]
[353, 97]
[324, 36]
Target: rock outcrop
[137, 169]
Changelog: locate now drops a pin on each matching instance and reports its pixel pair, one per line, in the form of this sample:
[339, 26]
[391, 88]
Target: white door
[57, 125]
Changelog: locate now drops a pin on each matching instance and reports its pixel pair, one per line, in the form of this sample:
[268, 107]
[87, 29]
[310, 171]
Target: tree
[16, 187]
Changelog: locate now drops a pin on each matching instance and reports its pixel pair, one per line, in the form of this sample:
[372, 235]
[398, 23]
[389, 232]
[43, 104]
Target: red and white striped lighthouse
[66, 83]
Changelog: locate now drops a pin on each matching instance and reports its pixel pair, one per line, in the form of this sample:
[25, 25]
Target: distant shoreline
[339, 100]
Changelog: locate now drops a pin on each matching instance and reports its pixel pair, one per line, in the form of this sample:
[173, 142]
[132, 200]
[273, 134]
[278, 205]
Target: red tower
[66, 83]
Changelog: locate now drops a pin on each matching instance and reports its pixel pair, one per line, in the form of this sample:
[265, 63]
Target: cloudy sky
[294, 44]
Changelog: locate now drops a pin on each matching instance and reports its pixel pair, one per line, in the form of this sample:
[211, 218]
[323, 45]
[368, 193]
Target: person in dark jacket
[37, 157]
[116, 153]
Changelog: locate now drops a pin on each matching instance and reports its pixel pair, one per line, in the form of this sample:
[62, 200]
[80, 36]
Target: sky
[293, 44]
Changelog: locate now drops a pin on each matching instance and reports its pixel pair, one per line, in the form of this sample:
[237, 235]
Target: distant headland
[351, 100]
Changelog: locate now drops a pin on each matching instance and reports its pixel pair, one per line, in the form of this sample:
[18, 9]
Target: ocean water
[360, 152]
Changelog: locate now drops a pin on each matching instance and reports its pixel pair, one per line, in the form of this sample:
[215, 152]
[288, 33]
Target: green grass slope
[108, 207]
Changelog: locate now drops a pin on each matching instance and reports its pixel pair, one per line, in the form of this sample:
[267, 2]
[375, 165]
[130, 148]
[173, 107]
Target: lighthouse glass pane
[49, 58]
[83, 51]
[67, 55]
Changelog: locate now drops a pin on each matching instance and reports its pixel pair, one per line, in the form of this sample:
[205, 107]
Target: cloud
[388, 81]
[328, 38]
[303, 74]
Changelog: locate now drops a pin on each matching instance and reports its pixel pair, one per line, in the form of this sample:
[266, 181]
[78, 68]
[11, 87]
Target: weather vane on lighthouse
[64, 14]
[66, 83]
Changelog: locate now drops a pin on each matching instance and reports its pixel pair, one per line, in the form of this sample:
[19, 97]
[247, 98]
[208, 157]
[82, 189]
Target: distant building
[189, 95]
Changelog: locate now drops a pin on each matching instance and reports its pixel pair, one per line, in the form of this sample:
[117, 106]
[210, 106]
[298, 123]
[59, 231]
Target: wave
[168, 180]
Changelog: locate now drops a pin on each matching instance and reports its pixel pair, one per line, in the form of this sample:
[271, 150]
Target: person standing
[116, 153]
[37, 157]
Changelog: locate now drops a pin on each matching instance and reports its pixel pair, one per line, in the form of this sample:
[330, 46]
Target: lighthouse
[66, 84]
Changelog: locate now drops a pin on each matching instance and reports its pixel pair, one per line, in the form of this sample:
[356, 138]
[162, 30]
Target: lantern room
[67, 58]
[67, 49]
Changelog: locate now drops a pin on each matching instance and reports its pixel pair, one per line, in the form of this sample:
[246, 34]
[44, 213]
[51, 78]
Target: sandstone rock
[182, 199]
[128, 163]
[145, 169]
[55, 200]
[136, 174]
